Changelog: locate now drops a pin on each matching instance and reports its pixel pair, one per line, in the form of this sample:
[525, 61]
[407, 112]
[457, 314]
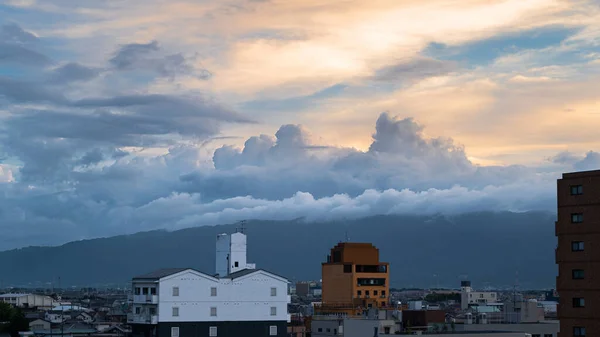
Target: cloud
[15, 47]
[100, 192]
[414, 69]
[13, 33]
[72, 72]
[146, 56]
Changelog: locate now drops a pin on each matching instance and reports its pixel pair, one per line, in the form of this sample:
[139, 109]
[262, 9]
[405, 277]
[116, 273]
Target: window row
[368, 293]
[213, 291]
[213, 311]
[144, 291]
[213, 331]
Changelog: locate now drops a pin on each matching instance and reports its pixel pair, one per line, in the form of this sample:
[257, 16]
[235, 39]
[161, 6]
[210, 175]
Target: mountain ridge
[489, 247]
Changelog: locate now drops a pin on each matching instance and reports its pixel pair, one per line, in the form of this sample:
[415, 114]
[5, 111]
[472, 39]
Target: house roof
[158, 274]
[245, 272]
[13, 295]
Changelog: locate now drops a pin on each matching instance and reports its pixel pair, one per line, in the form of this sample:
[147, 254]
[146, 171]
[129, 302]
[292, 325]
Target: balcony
[145, 299]
[142, 319]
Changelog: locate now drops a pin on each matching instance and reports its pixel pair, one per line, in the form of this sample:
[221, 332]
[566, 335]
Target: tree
[12, 320]
[453, 326]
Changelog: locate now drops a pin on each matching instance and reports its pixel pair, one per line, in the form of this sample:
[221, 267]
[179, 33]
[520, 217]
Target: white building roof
[13, 295]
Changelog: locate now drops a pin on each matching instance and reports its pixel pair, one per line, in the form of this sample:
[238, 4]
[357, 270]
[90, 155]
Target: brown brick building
[354, 279]
[578, 253]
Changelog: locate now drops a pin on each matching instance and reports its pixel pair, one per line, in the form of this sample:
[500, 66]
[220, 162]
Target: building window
[145, 291]
[577, 217]
[328, 330]
[273, 330]
[578, 331]
[273, 291]
[577, 246]
[358, 293]
[152, 311]
[578, 274]
[138, 291]
[213, 291]
[138, 310]
[576, 189]
[367, 293]
[212, 331]
[480, 295]
[383, 293]
[347, 268]
[320, 329]
[548, 335]
[536, 335]
[273, 311]
[152, 291]
[493, 295]
[578, 302]
[175, 331]
[175, 312]
[383, 304]
[175, 291]
[236, 264]
[213, 311]
[375, 292]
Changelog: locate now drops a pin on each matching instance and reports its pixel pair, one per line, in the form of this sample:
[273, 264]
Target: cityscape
[353, 297]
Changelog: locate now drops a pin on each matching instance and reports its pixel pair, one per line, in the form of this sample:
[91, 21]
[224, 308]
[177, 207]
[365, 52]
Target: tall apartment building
[238, 301]
[578, 253]
[353, 280]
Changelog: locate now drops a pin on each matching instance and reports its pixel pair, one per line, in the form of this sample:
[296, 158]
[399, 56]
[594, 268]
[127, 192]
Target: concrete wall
[247, 298]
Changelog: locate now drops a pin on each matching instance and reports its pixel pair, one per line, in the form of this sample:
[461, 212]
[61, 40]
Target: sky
[125, 116]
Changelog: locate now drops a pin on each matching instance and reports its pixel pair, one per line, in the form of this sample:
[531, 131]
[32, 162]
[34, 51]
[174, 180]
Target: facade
[352, 327]
[353, 279]
[39, 324]
[185, 302]
[578, 253]
[28, 300]
[468, 297]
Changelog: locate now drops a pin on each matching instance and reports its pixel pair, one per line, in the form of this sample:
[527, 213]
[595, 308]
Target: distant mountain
[491, 249]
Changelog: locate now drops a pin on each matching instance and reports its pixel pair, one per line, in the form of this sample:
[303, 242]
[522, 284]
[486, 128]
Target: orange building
[353, 280]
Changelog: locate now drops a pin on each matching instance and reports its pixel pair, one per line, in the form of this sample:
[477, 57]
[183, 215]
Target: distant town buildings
[237, 301]
[469, 297]
[577, 253]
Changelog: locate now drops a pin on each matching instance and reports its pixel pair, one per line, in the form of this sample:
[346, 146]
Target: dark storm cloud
[15, 47]
[29, 92]
[414, 69]
[149, 57]
[13, 33]
[72, 72]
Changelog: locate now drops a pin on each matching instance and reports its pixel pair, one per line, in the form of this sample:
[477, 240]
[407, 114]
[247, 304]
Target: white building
[28, 300]
[239, 301]
[468, 297]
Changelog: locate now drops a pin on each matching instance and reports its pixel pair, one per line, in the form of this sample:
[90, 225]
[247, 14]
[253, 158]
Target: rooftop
[158, 274]
[13, 295]
[581, 174]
